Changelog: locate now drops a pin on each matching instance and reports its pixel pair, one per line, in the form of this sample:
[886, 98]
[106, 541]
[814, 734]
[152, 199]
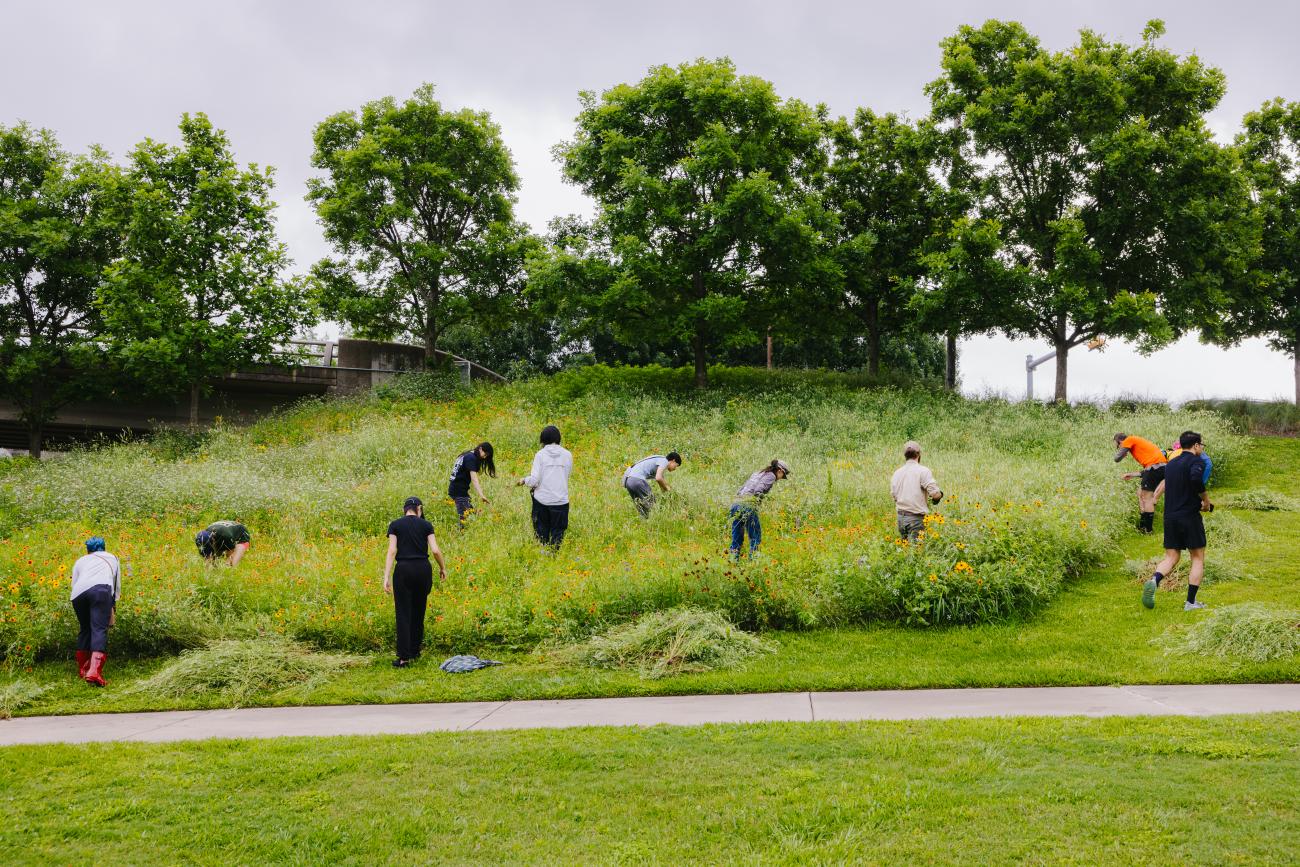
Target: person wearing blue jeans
[744, 511]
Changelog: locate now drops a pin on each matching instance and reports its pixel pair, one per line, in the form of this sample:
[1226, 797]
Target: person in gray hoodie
[549, 483]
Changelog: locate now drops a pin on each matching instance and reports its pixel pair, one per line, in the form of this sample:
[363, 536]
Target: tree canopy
[700, 180]
[1115, 208]
[419, 202]
[197, 291]
[57, 234]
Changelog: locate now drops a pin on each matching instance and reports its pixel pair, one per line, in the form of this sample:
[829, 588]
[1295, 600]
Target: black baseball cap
[412, 503]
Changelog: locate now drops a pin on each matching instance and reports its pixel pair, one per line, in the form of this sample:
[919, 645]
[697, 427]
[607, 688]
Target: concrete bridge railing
[310, 368]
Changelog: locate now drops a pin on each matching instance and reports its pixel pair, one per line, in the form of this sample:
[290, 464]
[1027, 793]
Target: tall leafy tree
[1270, 308]
[198, 292]
[419, 202]
[57, 234]
[884, 188]
[700, 176]
[1115, 208]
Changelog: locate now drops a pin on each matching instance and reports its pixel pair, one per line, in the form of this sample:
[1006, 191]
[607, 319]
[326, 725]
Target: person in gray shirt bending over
[549, 482]
[637, 478]
[914, 488]
[744, 511]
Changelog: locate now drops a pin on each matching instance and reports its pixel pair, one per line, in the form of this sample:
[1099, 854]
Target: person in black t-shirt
[465, 473]
[1185, 500]
[409, 577]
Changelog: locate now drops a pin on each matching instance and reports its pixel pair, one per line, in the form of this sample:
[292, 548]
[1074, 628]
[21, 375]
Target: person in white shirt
[549, 483]
[913, 488]
[96, 587]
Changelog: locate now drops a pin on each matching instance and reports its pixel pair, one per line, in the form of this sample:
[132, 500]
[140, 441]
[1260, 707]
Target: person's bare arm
[473, 480]
[1120, 455]
[389, 560]
[436, 553]
[659, 477]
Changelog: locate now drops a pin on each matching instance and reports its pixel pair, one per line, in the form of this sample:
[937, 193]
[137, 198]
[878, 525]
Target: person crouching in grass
[1152, 460]
[637, 478]
[408, 577]
[913, 488]
[96, 587]
[229, 539]
[744, 511]
[1185, 500]
[464, 473]
[549, 484]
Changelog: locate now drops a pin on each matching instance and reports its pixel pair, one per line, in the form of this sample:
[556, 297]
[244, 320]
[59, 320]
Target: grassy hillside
[1033, 501]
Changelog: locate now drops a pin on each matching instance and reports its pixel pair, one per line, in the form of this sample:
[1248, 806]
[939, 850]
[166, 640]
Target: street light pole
[1030, 364]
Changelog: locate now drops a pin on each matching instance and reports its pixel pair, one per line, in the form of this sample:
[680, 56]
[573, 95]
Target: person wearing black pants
[549, 484]
[408, 577]
[96, 586]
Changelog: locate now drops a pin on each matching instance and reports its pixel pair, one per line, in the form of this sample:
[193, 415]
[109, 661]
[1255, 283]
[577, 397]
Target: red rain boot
[95, 674]
[83, 662]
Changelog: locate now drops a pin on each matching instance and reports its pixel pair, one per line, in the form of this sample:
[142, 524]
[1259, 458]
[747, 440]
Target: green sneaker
[1149, 593]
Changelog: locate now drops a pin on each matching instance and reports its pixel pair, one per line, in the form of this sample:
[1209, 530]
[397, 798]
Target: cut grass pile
[1217, 571]
[1162, 790]
[1260, 500]
[17, 694]
[665, 643]
[1249, 632]
[238, 669]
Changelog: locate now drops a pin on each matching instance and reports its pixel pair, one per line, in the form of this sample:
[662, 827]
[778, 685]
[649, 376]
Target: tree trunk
[950, 366]
[35, 439]
[769, 347]
[1062, 359]
[1295, 361]
[430, 341]
[697, 340]
[194, 406]
[873, 338]
[701, 359]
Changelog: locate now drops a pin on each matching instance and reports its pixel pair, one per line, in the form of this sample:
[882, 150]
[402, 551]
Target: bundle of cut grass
[17, 694]
[671, 642]
[1257, 500]
[1250, 632]
[237, 669]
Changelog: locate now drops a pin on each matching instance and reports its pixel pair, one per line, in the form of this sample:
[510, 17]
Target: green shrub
[1259, 417]
[439, 385]
[239, 668]
[671, 642]
[1250, 632]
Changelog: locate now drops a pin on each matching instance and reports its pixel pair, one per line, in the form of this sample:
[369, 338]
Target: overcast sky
[111, 73]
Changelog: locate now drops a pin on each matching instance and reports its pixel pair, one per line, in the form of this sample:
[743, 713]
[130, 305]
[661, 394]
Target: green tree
[700, 178]
[883, 188]
[197, 292]
[1270, 308]
[419, 202]
[57, 234]
[1116, 209]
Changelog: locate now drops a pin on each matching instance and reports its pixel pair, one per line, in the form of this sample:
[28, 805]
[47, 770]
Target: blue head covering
[204, 542]
[94, 543]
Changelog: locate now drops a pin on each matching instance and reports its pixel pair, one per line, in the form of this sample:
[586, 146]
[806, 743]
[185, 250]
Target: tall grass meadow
[1033, 499]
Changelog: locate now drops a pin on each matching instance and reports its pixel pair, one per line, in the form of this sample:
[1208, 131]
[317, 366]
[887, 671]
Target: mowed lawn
[1096, 632]
[1086, 791]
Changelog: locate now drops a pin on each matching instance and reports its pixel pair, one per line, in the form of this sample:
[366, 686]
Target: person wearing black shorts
[1185, 500]
[409, 577]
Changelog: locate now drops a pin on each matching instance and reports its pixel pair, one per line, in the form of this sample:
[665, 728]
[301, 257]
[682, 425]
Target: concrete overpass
[312, 369]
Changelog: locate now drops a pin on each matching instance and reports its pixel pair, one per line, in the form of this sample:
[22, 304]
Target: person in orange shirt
[1152, 460]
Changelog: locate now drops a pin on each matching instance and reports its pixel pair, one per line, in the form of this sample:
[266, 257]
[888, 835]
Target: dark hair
[412, 504]
[488, 463]
[1120, 437]
[911, 453]
[1189, 438]
[771, 468]
[550, 435]
[674, 457]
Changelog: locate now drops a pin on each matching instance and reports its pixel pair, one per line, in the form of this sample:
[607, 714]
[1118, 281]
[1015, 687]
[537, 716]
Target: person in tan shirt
[913, 488]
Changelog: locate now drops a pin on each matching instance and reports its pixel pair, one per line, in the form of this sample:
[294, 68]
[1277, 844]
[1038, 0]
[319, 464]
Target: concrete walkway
[671, 710]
